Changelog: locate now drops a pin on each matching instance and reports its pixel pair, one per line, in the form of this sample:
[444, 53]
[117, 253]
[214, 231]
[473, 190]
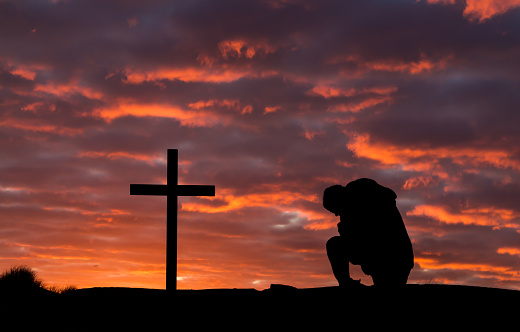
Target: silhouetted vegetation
[20, 279]
[24, 280]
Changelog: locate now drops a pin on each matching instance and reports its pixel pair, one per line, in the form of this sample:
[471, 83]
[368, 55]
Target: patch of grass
[61, 290]
[22, 279]
[432, 281]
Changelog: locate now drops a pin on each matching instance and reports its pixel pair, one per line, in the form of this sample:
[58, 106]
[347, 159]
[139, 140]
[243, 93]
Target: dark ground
[415, 307]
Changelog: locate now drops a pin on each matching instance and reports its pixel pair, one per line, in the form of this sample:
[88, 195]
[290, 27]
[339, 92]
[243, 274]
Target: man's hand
[350, 283]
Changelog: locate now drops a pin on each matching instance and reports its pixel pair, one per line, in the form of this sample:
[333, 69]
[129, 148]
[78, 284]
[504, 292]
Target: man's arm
[342, 228]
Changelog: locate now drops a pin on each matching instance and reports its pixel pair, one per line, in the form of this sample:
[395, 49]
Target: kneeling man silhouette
[372, 234]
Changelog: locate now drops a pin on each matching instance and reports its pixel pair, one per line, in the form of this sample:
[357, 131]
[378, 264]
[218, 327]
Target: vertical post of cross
[172, 177]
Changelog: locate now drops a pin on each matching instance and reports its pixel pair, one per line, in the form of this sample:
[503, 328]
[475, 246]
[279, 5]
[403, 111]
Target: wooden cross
[172, 190]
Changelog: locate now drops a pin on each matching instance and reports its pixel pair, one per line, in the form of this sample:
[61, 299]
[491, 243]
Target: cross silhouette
[172, 190]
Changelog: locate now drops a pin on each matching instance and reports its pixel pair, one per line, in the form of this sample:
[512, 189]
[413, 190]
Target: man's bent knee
[334, 243]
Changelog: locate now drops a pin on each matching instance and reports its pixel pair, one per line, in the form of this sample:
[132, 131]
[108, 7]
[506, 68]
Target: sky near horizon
[271, 101]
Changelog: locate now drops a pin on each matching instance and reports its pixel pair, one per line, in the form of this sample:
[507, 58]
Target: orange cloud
[232, 104]
[27, 71]
[418, 182]
[359, 106]
[276, 198]
[70, 88]
[331, 92]
[509, 251]
[326, 222]
[482, 10]
[24, 72]
[151, 159]
[387, 154]
[414, 67]
[426, 158]
[424, 65]
[35, 125]
[193, 74]
[485, 216]
[434, 264]
[238, 48]
[199, 118]
[327, 91]
[311, 134]
[271, 109]
[36, 107]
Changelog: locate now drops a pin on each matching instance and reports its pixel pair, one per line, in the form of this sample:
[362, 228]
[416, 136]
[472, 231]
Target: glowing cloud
[426, 158]
[327, 91]
[151, 159]
[422, 66]
[499, 271]
[281, 200]
[414, 67]
[194, 74]
[418, 182]
[482, 10]
[231, 104]
[509, 251]
[484, 216]
[241, 48]
[198, 118]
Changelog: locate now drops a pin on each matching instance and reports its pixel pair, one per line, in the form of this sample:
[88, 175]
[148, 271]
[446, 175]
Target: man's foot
[350, 283]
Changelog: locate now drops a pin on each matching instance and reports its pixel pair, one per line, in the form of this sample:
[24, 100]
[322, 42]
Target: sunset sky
[271, 101]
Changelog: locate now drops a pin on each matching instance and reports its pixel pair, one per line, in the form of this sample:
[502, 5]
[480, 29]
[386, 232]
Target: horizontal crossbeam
[162, 190]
